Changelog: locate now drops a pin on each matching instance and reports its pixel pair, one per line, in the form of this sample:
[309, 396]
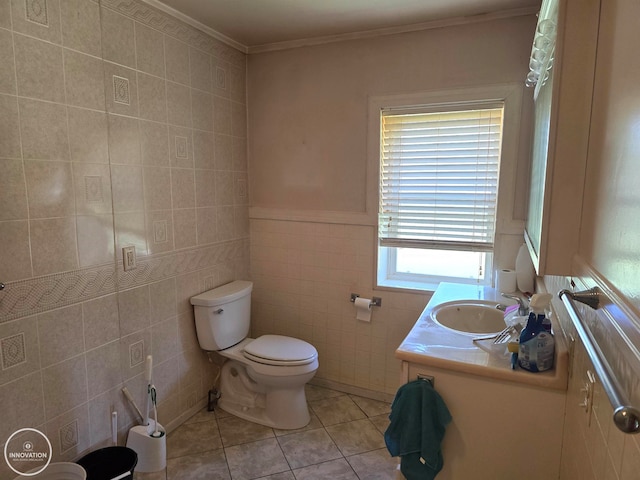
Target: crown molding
[446, 22]
[196, 24]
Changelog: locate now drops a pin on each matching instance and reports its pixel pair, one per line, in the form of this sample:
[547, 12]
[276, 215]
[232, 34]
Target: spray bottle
[537, 345]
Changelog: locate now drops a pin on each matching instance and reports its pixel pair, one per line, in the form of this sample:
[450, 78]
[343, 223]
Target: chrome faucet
[523, 309]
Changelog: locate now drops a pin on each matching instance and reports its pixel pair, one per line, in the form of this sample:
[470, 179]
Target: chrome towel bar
[625, 416]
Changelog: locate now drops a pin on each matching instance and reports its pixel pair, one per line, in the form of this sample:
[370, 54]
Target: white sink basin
[469, 316]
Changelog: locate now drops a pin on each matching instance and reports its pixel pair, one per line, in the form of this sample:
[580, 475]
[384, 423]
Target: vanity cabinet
[562, 108]
[500, 430]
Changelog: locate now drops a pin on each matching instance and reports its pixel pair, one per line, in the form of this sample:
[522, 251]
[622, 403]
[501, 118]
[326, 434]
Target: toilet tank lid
[223, 294]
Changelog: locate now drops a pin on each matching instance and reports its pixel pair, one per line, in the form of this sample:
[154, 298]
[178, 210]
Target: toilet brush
[149, 441]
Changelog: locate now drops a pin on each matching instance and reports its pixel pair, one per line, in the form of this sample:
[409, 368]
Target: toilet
[262, 379]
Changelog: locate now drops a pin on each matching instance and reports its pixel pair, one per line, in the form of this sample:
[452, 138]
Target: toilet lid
[280, 350]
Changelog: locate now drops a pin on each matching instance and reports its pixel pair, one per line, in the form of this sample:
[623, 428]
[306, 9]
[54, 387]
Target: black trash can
[109, 463]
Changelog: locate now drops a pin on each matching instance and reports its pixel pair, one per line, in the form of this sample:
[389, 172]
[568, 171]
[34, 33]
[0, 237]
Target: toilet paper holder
[375, 301]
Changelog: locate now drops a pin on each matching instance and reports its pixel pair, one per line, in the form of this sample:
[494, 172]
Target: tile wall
[593, 448]
[304, 274]
[119, 126]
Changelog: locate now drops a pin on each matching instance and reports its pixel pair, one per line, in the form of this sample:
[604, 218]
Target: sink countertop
[431, 344]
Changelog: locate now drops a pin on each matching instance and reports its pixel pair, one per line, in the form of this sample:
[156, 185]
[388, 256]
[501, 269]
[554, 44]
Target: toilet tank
[223, 315]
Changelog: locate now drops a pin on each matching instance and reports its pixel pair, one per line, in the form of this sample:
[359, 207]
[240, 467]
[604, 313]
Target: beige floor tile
[202, 416]
[356, 437]
[334, 410]
[334, 470]
[161, 475]
[314, 423]
[201, 466]
[235, 431]
[193, 438]
[280, 476]
[338, 428]
[370, 407]
[256, 459]
[317, 393]
[381, 422]
[375, 465]
[308, 448]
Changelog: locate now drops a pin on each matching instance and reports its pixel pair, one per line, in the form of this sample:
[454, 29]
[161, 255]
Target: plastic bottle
[537, 345]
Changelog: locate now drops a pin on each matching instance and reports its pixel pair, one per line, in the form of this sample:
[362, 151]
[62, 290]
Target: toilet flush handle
[218, 312]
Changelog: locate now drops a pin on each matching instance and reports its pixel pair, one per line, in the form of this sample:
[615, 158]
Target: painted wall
[312, 242]
[119, 125]
[609, 238]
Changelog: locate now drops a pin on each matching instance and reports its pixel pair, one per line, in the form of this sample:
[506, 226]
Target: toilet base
[259, 415]
[281, 408]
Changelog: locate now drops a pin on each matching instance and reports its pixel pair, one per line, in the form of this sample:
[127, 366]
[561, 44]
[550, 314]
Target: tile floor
[343, 441]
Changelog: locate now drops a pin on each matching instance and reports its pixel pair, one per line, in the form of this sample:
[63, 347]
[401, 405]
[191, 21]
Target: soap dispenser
[537, 346]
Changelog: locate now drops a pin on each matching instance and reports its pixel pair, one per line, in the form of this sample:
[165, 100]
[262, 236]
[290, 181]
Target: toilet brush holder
[151, 450]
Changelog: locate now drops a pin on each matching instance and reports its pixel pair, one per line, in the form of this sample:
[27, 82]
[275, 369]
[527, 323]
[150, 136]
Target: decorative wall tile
[27, 297]
[93, 189]
[121, 90]
[92, 182]
[160, 234]
[72, 128]
[136, 354]
[165, 23]
[68, 436]
[13, 351]
[36, 11]
[181, 147]
[122, 96]
[241, 188]
[221, 78]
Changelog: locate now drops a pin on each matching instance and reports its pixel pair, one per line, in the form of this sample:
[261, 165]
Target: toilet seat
[280, 351]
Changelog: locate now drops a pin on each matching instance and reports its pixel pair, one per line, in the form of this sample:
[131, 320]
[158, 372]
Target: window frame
[510, 95]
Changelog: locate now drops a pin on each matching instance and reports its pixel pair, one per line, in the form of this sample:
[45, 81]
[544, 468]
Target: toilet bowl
[272, 395]
[262, 379]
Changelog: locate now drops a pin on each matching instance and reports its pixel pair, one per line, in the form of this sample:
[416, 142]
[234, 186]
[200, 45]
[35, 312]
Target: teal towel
[418, 418]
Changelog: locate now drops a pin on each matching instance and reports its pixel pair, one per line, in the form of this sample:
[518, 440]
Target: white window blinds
[439, 178]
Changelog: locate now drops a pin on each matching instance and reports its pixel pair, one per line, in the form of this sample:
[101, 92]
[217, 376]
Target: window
[438, 190]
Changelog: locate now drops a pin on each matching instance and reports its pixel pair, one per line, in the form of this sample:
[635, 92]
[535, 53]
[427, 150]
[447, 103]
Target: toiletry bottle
[537, 345]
